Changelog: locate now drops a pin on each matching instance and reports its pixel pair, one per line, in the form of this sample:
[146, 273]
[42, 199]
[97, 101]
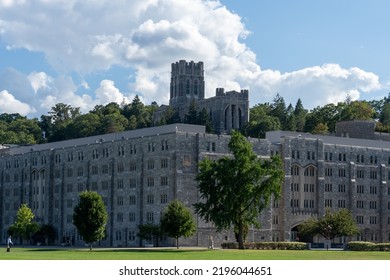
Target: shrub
[267, 245]
[362, 246]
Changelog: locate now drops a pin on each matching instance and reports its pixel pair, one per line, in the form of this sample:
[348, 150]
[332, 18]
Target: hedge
[267, 245]
[368, 246]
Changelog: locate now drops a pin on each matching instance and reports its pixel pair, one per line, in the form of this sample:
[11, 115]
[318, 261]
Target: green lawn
[42, 253]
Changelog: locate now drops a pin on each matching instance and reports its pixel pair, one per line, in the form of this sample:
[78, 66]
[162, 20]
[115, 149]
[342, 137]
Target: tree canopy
[24, 226]
[177, 221]
[331, 225]
[235, 189]
[64, 122]
[90, 217]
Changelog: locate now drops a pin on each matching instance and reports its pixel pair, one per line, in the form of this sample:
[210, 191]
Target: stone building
[139, 172]
[227, 110]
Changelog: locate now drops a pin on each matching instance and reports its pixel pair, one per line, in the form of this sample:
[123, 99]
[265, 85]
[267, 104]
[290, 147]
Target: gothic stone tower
[227, 110]
[187, 83]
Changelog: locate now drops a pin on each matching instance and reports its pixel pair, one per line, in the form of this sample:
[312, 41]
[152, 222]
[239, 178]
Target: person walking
[9, 243]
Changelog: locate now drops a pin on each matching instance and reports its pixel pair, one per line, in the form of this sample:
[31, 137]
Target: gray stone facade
[227, 110]
[139, 172]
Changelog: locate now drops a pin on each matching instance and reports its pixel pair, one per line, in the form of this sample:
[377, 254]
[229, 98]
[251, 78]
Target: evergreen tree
[300, 116]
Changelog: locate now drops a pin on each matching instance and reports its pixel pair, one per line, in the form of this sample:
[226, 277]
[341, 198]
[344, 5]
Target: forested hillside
[65, 122]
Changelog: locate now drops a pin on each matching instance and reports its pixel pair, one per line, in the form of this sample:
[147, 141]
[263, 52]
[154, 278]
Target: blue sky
[86, 53]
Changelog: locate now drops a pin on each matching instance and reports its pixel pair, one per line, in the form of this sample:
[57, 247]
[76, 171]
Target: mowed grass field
[42, 253]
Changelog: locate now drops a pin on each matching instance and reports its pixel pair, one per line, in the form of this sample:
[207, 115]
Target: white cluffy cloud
[145, 37]
[8, 104]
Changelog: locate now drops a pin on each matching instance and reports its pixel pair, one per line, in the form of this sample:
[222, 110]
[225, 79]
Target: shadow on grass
[120, 250]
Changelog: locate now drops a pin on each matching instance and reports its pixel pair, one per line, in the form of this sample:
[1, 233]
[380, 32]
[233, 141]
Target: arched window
[309, 171]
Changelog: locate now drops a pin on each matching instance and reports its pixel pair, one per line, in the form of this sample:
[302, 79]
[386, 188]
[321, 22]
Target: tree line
[65, 122]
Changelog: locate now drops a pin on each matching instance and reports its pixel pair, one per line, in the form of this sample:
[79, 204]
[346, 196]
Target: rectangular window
[328, 187]
[150, 182]
[150, 164]
[360, 189]
[105, 169]
[342, 188]
[328, 203]
[133, 183]
[132, 200]
[373, 204]
[80, 171]
[372, 189]
[328, 172]
[149, 217]
[164, 163]
[132, 235]
[119, 200]
[359, 219]
[121, 151]
[294, 203]
[360, 204]
[131, 217]
[150, 199]
[164, 199]
[295, 187]
[372, 220]
[373, 174]
[105, 152]
[164, 181]
[341, 203]
[80, 156]
[119, 217]
[133, 166]
[120, 167]
[164, 145]
[94, 170]
[151, 147]
[341, 172]
[133, 150]
[360, 173]
[120, 184]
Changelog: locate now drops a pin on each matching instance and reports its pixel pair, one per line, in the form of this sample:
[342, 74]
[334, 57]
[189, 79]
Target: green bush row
[368, 246]
[267, 245]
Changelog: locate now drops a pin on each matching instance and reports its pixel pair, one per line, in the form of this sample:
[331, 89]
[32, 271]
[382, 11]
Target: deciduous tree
[331, 225]
[90, 217]
[24, 226]
[177, 221]
[236, 188]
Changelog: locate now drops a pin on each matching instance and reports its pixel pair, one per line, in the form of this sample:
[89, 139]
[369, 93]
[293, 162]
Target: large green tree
[90, 217]
[331, 225]
[177, 221]
[235, 189]
[24, 226]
